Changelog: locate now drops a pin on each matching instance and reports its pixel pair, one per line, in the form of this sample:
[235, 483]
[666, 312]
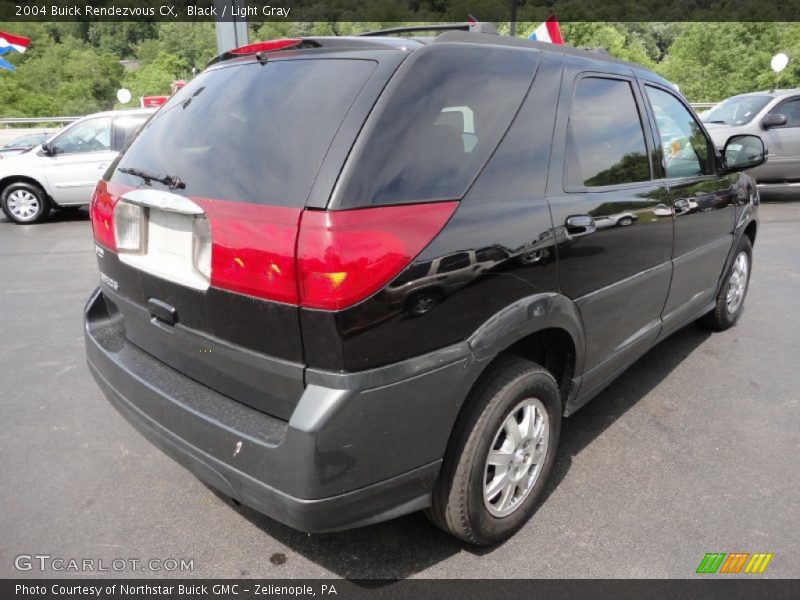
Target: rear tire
[486, 458]
[25, 203]
[731, 296]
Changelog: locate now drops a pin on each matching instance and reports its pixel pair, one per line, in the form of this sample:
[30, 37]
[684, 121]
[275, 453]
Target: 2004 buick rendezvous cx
[343, 279]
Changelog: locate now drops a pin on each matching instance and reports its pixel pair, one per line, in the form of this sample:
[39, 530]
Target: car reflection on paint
[623, 219]
[424, 285]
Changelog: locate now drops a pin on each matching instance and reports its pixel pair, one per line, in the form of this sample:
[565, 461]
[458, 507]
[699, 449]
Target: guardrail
[10, 121]
[702, 105]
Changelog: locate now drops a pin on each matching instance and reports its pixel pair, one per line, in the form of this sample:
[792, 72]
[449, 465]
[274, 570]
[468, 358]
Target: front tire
[502, 454]
[24, 203]
[730, 299]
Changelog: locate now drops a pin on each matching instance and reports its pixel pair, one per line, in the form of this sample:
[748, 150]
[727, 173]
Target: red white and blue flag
[548, 31]
[11, 43]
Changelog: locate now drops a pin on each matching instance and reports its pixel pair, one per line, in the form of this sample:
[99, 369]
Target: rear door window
[605, 139]
[438, 126]
[254, 132]
[791, 110]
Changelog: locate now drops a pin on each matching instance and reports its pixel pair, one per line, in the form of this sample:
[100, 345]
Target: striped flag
[548, 31]
[11, 43]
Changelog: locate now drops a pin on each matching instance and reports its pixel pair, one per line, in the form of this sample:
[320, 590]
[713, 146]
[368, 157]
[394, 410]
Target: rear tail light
[345, 256]
[252, 249]
[129, 227]
[326, 260]
[101, 211]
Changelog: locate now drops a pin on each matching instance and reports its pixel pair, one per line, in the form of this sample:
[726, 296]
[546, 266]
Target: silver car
[62, 171]
[775, 117]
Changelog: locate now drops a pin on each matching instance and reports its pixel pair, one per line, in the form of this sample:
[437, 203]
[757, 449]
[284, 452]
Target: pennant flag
[548, 31]
[15, 42]
[11, 43]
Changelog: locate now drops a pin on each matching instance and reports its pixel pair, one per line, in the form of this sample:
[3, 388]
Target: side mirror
[773, 120]
[743, 152]
[48, 149]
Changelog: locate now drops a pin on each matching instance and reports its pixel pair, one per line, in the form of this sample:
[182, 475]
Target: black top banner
[428, 11]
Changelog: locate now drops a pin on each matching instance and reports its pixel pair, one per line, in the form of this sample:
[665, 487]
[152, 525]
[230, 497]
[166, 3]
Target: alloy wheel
[516, 457]
[737, 283]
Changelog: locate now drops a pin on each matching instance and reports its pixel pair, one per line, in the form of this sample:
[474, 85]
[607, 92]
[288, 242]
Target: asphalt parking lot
[694, 449]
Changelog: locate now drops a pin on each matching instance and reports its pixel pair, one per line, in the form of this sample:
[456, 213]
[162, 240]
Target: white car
[623, 219]
[63, 171]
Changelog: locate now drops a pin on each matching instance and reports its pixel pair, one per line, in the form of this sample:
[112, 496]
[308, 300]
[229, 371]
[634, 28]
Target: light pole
[231, 31]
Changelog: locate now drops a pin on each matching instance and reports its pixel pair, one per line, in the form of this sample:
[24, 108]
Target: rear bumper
[359, 447]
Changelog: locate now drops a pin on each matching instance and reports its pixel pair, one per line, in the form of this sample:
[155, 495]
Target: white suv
[63, 171]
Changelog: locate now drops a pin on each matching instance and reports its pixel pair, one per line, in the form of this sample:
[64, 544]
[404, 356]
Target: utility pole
[231, 31]
[513, 25]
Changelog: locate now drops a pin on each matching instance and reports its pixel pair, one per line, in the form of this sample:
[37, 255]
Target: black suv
[344, 279]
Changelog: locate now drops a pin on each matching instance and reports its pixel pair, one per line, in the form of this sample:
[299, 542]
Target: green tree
[712, 61]
[195, 43]
[52, 78]
[154, 78]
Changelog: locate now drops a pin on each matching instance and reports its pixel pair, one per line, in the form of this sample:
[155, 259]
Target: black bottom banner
[417, 589]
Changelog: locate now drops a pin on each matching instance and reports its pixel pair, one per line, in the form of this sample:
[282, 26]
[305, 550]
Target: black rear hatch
[249, 142]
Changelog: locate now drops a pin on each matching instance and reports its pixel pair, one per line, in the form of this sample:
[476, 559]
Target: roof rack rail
[595, 50]
[473, 26]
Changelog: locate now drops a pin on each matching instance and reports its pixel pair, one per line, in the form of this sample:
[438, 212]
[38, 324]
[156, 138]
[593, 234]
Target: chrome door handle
[579, 225]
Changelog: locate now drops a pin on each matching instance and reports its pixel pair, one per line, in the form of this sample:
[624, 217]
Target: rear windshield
[253, 133]
[439, 126]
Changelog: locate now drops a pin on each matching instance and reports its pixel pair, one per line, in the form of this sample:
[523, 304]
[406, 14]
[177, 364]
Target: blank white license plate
[168, 253]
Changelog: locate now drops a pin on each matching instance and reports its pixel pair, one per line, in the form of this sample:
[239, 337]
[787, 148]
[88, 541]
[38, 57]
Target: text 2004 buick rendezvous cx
[343, 279]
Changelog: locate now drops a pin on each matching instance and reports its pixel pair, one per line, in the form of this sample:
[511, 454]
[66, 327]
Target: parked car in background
[775, 117]
[63, 170]
[370, 280]
[25, 142]
[623, 219]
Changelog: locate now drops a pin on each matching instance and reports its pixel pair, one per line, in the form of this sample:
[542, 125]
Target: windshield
[736, 111]
[27, 141]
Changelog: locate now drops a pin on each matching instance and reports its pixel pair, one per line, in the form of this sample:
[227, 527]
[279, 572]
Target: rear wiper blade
[171, 181]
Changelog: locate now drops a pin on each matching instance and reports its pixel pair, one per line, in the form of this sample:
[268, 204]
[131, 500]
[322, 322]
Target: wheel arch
[544, 328]
[11, 179]
[750, 231]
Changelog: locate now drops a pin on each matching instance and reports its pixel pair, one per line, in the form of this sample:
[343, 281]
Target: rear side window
[605, 140]
[439, 126]
[254, 133]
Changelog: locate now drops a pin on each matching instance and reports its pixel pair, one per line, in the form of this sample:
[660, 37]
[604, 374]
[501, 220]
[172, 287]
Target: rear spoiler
[471, 26]
[262, 49]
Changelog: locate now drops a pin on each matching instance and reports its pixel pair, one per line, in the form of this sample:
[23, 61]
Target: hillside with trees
[75, 68]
